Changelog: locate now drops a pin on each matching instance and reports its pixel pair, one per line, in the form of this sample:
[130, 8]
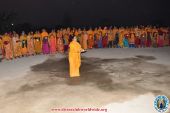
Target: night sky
[89, 12]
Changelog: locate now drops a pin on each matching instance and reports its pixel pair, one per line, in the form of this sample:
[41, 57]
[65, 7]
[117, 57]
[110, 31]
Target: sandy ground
[117, 80]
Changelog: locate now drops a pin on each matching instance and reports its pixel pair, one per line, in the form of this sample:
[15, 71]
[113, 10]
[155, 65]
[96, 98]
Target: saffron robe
[74, 58]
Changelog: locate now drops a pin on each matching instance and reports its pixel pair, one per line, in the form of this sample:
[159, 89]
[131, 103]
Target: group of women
[13, 45]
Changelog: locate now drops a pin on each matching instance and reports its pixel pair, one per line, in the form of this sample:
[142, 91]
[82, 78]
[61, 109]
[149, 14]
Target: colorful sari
[99, 42]
[85, 38]
[66, 42]
[60, 45]
[24, 45]
[45, 43]
[90, 41]
[17, 47]
[74, 58]
[37, 43]
[31, 50]
[7, 47]
[52, 41]
[105, 41]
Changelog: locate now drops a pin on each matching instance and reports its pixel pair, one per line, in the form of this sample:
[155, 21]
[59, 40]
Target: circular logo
[161, 103]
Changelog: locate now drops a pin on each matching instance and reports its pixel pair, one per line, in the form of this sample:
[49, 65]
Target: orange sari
[8, 47]
[74, 58]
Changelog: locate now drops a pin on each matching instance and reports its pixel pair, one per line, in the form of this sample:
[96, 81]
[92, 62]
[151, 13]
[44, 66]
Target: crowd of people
[13, 45]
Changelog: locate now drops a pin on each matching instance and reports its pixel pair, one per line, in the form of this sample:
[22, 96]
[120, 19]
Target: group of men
[13, 45]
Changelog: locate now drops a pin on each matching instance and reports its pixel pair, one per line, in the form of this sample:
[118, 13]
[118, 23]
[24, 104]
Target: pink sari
[52, 44]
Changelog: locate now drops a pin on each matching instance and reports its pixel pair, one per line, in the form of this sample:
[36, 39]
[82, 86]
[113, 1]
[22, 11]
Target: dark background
[79, 13]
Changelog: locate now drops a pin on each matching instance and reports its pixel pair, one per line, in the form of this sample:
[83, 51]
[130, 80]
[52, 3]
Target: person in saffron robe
[7, 42]
[30, 39]
[45, 42]
[16, 45]
[85, 38]
[52, 40]
[24, 44]
[74, 58]
[37, 42]
[60, 44]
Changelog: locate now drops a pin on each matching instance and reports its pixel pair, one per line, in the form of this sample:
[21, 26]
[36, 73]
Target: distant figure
[85, 38]
[132, 41]
[30, 39]
[148, 39]
[24, 44]
[37, 42]
[121, 39]
[99, 43]
[16, 46]
[45, 42]
[60, 44]
[74, 57]
[125, 41]
[105, 40]
[52, 42]
[116, 40]
[7, 46]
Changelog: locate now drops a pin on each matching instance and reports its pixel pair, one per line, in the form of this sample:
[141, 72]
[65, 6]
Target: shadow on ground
[129, 74]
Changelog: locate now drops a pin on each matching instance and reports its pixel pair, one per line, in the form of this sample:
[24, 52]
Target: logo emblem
[161, 103]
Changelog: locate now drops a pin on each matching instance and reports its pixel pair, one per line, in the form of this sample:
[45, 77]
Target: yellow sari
[74, 58]
[37, 43]
[7, 47]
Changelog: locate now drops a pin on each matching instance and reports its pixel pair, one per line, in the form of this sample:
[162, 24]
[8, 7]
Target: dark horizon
[89, 13]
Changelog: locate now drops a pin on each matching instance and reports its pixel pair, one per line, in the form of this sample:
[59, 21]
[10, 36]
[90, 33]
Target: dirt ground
[103, 81]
